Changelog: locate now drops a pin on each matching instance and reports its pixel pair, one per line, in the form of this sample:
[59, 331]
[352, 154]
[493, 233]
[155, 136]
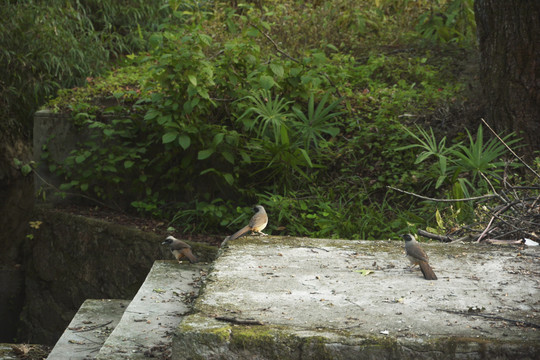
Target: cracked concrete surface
[344, 293]
[148, 323]
[89, 329]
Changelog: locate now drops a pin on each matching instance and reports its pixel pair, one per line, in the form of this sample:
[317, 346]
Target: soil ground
[156, 226]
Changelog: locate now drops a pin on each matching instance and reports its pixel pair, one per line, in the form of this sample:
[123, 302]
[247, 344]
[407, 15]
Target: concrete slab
[289, 298]
[148, 323]
[89, 329]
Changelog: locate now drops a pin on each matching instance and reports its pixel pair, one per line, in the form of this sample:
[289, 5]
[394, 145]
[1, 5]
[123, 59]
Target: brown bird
[180, 249]
[257, 223]
[417, 256]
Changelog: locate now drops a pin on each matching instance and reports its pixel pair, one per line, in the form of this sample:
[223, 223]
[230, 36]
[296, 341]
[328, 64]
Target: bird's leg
[411, 267]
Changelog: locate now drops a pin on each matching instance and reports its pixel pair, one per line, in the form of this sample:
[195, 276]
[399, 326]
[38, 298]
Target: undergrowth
[307, 109]
[49, 45]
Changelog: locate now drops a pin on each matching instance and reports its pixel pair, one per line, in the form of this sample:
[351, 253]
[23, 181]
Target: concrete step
[89, 329]
[148, 323]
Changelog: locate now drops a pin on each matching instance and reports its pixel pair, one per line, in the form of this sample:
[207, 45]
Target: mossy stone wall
[72, 258]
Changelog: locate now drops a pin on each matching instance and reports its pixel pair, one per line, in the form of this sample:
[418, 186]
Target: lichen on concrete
[315, 301]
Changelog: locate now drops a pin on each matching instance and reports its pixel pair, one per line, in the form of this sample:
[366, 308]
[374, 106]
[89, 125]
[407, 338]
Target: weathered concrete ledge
[89, 329]
[148, 323]
[334, 299]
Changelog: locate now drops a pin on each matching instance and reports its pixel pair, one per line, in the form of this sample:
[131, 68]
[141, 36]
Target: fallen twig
[313, 247]
[491, 316]
[89, 328]
[505, 242]
[239, 321]
[485, 230]
[488, 196]
[442, 238]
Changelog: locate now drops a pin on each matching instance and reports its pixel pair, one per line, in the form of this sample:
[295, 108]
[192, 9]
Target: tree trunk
[509, 39]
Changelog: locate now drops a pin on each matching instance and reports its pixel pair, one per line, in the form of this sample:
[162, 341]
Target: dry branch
[512, 151]
[494, 317]
[488, 196]
[239, 321]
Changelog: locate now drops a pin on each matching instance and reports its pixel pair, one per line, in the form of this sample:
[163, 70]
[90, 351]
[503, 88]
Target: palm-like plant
[428, 142]
[272, 116]
[316, 122]
[479, 158]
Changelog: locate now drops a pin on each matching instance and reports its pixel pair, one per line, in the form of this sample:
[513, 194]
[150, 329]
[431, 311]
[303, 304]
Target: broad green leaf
[295, 71]
[245, 157]
[162, 120]
[26, 169]
[207, 40]
[332, 131]
[267, 82]
[439, 219]
[330, 46]
[284, 135]
[209, 170]
[128, 164]
[205, 154]
[228, 156]
[277, 70]
[184, 141]
[188, 107]
[252, 32]
[192, 79]
[432, 230]
[151, 114]
[65, 186]
[203, 93]
[218, 138]
[169, 137]
[155, 40]
[228, 178]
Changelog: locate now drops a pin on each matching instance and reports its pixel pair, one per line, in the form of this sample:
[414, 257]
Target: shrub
[224, 112]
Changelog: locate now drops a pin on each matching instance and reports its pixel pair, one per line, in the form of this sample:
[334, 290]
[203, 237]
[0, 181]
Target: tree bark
[509, 40]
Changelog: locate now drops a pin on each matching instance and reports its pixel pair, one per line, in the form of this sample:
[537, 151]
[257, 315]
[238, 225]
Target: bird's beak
[163, 243]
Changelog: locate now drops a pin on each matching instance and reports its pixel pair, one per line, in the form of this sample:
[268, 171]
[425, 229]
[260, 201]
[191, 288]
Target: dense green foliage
[53, 44]
[235, 105]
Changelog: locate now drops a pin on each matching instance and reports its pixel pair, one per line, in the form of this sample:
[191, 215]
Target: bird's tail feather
[192, 259]
[243, 231]
[428, 272]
